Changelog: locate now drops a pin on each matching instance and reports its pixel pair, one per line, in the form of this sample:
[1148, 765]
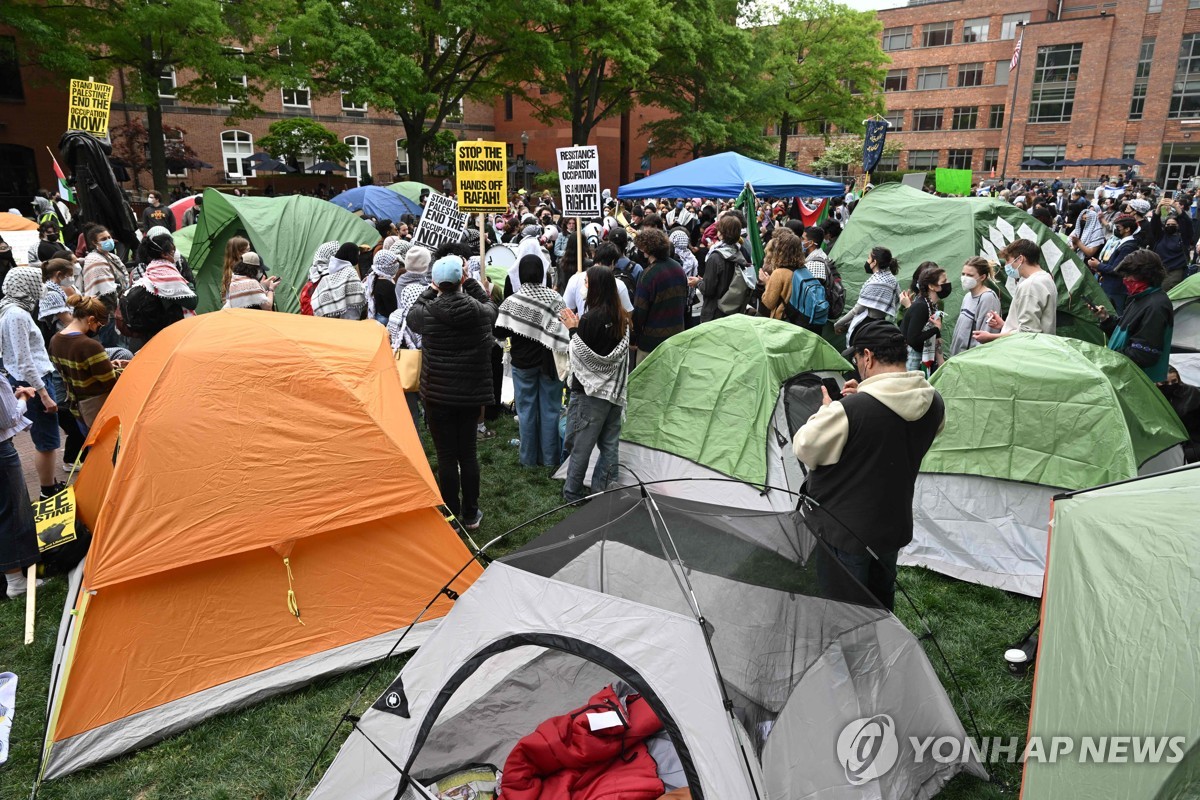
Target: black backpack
[624, 273]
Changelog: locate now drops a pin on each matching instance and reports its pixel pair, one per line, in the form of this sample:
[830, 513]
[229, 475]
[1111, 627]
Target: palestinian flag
[64, 191]
[813, 215]
[747, 205]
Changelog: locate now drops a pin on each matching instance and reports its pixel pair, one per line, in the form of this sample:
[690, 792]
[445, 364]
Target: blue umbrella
[725, 175]
[376, 201]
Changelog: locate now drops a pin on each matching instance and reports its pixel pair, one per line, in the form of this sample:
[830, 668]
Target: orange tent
[13, 222]
[246, 459]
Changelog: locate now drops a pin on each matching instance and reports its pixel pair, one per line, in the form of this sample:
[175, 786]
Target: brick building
[1095, 80]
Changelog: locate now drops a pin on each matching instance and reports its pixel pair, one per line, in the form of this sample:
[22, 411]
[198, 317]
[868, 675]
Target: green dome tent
[919, 227]
[723, 400]
[411, 189]
[285, 231]
[1185, 341]
[1028, 416]
[183, 240]
[1117, 655]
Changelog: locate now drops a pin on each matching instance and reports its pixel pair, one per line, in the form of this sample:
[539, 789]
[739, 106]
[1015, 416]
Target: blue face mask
[1012, 272]
[108, 245]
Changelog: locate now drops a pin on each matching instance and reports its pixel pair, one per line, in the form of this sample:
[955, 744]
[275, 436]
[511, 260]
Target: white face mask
[968, 283]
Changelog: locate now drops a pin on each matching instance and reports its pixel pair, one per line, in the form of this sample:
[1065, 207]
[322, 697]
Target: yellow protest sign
[89, 107]
[54, 519]
[482, 176]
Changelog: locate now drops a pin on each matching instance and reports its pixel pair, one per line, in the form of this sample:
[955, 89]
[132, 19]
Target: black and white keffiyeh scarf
[532, 312]
[602, 377]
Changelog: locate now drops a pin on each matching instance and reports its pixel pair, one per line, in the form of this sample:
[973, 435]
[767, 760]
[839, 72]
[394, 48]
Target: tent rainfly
[726, 175]
[1028, 416]
[378, 202]
[208, 512]
[1185, 339]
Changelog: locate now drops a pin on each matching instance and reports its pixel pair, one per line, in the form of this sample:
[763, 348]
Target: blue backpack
[807, 305]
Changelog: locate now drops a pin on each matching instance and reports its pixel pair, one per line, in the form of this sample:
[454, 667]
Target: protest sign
[88, 107]
[54, 520]
[482, 176]
[442, 222]
[579, 177]
[956, 182]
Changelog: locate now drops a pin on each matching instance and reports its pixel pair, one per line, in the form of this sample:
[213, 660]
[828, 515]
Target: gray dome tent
[713, 615]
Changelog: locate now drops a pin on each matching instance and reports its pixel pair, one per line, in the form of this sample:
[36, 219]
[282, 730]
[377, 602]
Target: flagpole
[1012, 105]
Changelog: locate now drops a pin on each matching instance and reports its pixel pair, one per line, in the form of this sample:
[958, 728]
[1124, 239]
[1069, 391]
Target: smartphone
[831, 386]
[1090, 305]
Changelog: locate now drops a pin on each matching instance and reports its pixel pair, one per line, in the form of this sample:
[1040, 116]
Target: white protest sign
[579, 178]
[442, 222]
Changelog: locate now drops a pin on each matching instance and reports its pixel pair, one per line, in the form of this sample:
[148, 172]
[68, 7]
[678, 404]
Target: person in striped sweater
[660, 300]
[81, 360]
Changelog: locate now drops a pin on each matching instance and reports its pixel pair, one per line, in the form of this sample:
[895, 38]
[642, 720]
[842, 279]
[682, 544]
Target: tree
[421, 58]
[300, 137]
[131, 144]
[824, 66]
[439, 148]
[718, 107]
[144, 40]
[592, 58]
[842, 153]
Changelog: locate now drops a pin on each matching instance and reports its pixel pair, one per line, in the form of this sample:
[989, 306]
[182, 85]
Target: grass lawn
[262, 752]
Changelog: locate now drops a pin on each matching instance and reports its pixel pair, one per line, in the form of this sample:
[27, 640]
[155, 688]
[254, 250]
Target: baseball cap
[250, 257]
[448, 269]
[870, 334]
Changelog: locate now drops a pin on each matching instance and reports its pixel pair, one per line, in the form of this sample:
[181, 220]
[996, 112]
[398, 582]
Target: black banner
[873, 141]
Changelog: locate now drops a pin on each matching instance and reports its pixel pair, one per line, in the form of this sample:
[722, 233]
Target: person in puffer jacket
[564, 759]
[454, 318]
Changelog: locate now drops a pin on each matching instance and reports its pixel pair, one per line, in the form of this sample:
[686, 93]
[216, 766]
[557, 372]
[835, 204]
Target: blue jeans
[538, 398]
[45, 426]
[591, 422]
[840, 573]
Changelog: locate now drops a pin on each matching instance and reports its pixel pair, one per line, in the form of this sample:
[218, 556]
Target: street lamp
[524, 161]
[649, 147]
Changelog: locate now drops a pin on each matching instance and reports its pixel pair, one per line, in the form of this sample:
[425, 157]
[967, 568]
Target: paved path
[25, 450]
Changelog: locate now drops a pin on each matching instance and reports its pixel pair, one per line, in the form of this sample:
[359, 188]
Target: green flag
[745, 203]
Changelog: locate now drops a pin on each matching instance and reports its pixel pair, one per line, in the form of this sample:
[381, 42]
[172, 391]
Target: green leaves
[293, 139]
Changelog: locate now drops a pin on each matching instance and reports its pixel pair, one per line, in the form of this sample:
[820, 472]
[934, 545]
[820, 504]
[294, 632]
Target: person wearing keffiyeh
[340, 294]
[540, 343]
[161, 296]
[250, 286]
[320, 262]
[380, 286]
[879, 297]
[105, 276]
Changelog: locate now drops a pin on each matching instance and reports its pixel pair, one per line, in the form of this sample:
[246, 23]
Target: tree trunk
[158, 150]
[784, 123]
[416, 135]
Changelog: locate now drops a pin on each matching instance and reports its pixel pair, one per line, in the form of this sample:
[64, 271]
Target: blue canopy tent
[376, 201]
[725, 175]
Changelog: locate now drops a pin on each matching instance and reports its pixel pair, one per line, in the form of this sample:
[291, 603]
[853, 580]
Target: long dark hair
[603, 299]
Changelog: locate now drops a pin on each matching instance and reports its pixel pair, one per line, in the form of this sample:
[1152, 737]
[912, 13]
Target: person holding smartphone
[251, 286]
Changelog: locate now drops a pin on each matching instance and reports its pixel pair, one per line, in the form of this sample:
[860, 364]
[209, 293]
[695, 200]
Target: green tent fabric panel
[285, 231]
[1117, 655]
[1186, 290]
[708, 394]
[183, 240]
[1049, 410]
[920, 227]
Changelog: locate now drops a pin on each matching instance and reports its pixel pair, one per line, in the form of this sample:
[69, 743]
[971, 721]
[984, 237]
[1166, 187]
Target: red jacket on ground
[564, 759]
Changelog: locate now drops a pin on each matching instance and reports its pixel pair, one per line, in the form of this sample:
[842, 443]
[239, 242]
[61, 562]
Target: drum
[499, 255]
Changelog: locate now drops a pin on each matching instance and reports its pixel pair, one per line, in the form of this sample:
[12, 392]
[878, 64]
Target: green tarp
[708, 394]
[920, 227]
[1049, 410]
[1120, 626]
[285, 231]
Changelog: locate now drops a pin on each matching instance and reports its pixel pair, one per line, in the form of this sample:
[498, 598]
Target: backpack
[835, 290]
[623, 271]
[306, 295]
[808, 304]
[737, 295]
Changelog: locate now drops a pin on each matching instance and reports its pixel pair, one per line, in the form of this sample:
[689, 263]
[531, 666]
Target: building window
[1129, 150]
[996, 117]
[991, 157]
[932, 77]
[296, 98]
[888, 164]
[236, 97]
[235, 147]
[958, 159]
[401, 158]
[975, 30]
[896, 120]
[927, 119]
[174, 135]
[1153, 6]
[350, 105]
[922, 159]
[897, 38]
[1185, 99]
[896, 80]
[964, 118]
[937, 34]
[1009, 24]
[1048, 153]
[1054, 77]
[970, 74]
[360, 157]
[1002, 70]
[508, 105]
[166, 83]
[1193, 3]
[1141, 79]
[10, 70]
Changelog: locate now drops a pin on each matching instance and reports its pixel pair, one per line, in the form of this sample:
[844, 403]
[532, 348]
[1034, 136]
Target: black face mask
[867, 267]
[944, 291]
[1172, 230]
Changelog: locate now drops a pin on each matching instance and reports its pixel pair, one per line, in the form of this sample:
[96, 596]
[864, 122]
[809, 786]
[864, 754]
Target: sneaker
[55, 489]
[473, 523]
[19, 588]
